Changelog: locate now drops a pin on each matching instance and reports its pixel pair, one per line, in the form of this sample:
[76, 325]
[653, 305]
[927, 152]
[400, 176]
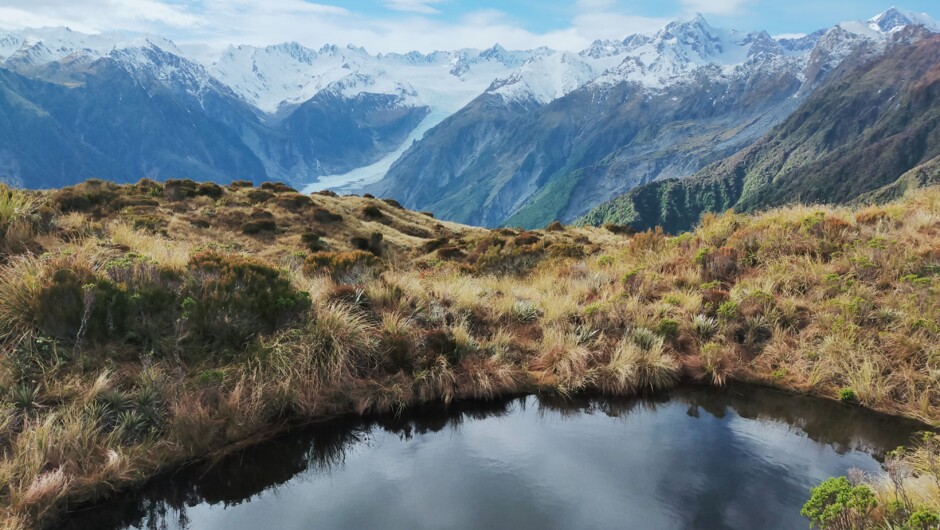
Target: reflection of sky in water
[650, 468]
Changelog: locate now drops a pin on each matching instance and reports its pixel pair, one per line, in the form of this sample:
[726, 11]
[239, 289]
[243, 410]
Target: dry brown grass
[812, 299]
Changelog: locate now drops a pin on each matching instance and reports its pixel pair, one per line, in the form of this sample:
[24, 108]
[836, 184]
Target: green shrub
[923, 519]
[838, 505]
[728, 310]
[230, 299]
[700, 256]
[668, 328]
[847, 395]
[133, 301]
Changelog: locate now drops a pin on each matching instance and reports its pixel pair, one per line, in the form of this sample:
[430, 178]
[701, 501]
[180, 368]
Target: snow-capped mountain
[894, 20]
[279, 76]
[339, 115]
[664, 106]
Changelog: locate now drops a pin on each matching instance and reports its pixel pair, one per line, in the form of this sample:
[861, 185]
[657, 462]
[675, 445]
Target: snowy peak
[546, 78]
[694, 39]
[894, 20]
[36, 47]
[272, 77]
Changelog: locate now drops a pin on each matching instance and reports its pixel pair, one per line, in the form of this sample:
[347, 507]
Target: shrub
[241, 184]
[149, 187]
[277, 187]
[312, 241]
[259, 196]
[259, 226]
[649, 240]
[847, 395]
[177, 190]
[555, 226]
[93, 196]
[923, 519]
[668, 328]
[294, 202]
[625, 230]
[209, 189]
[135, 301]
[338, 264]
[721, 265]
[372, 212]
[728, 310]
[321, 215]
[373, 244]
[233, 298]
[527, 238]
[566, 250]
[450, 252]
[836, 504]
[439, 342]
[393, 203]
[434, 244]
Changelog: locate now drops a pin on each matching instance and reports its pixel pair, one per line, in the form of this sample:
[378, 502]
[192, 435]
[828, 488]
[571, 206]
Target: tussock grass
[830, 301]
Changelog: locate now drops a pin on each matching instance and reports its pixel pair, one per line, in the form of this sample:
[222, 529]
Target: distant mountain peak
[895, 19]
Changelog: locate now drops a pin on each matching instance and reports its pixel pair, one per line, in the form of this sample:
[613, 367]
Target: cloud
[97, 15]
[414, 6]
[714, 7]
[206, 27]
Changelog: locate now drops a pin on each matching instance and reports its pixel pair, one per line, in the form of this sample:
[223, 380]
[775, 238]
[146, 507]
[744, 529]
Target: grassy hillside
[850, 141]
[144, 326]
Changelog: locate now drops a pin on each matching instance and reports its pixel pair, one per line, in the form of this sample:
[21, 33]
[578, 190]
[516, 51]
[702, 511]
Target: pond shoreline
[206, 465]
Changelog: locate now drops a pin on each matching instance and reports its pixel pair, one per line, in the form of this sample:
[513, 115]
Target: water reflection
[693, 458]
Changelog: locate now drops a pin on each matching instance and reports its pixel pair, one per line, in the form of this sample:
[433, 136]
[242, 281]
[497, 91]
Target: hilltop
[152, 324]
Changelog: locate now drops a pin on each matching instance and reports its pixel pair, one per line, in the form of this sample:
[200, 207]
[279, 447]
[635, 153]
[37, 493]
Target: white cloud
[416, 6]
[208, 26]
[714, 7]
[97, 15]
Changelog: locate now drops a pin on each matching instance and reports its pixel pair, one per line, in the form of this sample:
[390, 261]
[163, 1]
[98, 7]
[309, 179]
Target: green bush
[134, 301]
[668, 328]
[847, 395]
[728, 310]
[923, 519]
[838, 505]
[230, 299]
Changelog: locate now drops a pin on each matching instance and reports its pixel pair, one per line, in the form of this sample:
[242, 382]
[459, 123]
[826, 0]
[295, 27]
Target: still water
[697, 458]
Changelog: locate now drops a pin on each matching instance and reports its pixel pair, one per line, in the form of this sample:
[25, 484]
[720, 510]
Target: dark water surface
[693, 458]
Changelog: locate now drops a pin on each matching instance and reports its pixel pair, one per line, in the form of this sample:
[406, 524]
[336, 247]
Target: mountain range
[870, 134]
[490, 137]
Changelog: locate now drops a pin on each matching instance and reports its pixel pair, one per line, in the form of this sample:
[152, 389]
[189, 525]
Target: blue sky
[548, 15]
[207, 26]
